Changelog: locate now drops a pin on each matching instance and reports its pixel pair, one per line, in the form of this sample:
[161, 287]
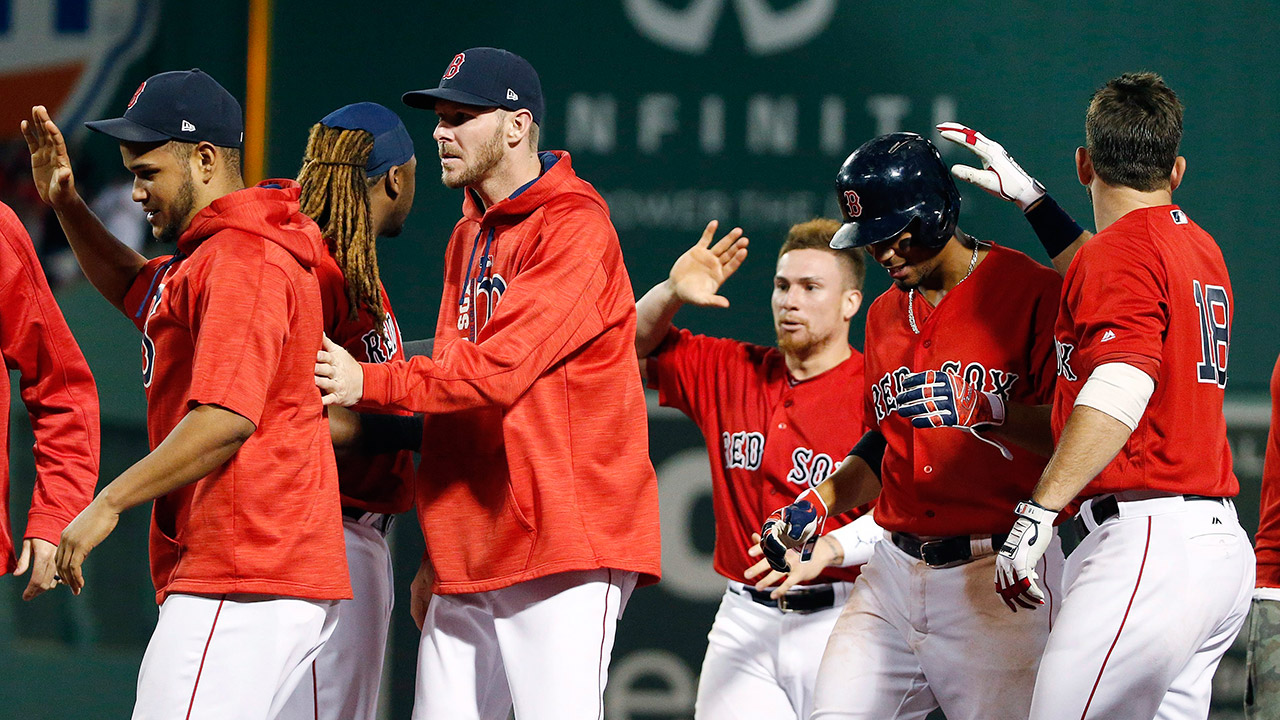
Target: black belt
[1107, 507]
[378, 521]
[942, 552]
[796, 600]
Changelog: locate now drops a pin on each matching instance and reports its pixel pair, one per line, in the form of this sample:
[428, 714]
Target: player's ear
[1175, 175]
[391, 182]
[852, 302]
[1084, 166]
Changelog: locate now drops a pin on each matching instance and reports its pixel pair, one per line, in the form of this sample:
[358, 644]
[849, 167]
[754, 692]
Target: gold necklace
[911, 294]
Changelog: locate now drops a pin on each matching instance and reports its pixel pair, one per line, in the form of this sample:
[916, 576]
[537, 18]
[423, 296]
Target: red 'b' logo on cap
[852, 203]
[136, 93]
[453, 69]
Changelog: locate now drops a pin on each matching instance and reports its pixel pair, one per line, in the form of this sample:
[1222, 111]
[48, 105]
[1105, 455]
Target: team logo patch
[1179, 217]
[852, 203]
[455, 66]
[136, 93]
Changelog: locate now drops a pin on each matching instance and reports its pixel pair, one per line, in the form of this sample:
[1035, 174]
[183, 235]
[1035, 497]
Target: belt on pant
[378, 521]
[1107, 507]
[796, 600]
[947, 551]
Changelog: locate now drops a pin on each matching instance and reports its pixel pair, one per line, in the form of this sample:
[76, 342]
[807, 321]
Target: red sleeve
[1119, 304]
[1044, 356]
[143, 290]
[240, 319]
[55, 383]
[555, 305]
[682, 366]
[1268, 537]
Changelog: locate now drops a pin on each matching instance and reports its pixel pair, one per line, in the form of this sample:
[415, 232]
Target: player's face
[163, 185]
[812, 303]
[907, 264]
[469, 140]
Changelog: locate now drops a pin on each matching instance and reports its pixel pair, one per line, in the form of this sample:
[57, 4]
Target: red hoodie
[535, 454]
[234, 320]
[57, 389]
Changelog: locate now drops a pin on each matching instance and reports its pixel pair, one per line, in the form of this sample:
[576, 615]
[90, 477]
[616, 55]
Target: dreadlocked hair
[335, 193]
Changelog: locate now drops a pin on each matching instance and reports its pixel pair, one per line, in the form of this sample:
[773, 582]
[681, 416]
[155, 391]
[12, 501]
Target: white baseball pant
[914, 638]
[229, 656]
[762, 662]
[1153, 598]
[343, 681]
[542, 646]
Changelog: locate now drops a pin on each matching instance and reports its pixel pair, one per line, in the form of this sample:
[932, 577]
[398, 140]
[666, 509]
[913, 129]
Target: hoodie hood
[557, 184]
[269, 210]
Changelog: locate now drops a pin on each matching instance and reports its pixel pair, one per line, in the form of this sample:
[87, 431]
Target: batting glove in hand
[797, 525]
[941, 399]
[1016, 563]
[1000, 175]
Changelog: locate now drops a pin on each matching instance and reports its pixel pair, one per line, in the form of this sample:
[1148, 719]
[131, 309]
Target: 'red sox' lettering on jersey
[995, 328]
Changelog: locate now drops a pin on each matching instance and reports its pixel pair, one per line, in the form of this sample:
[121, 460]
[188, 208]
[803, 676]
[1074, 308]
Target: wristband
[1055, 228]
[871, 449]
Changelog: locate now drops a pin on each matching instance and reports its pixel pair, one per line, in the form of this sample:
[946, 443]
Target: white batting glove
[1016, 563]
[1000, 175]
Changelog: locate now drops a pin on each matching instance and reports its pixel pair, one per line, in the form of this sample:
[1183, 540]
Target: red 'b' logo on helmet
[851, 202]
[136, 93]
[455, 66]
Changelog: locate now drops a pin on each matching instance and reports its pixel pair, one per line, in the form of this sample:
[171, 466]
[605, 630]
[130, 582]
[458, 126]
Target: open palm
[50, 163]
[698, 274]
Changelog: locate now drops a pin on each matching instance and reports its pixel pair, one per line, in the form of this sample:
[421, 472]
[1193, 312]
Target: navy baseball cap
[487, 77]
[183, 105]
[391, 142]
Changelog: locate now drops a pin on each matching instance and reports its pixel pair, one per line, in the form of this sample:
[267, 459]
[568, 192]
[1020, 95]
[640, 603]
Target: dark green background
[1020, 71]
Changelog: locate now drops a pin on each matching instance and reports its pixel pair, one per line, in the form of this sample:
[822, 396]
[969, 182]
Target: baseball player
[776, 422]
[60, 396]
[1160, 584]
[358, 179]
[246, 539]
[535, 492]
[1262, 697]
[962, 342]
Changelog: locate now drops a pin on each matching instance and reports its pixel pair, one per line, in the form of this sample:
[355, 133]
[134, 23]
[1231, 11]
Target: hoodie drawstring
[155, 279]
[467, 285]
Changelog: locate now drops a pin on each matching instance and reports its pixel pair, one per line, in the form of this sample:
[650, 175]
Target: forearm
[852, 485]
[108, 263]
[1088, 444]
[1027, 426]
[654, 313]
[205, 439]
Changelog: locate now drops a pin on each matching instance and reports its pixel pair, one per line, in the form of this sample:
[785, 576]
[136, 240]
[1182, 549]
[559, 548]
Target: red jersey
[1151, 290]
[234, 320]
[374, 483]
[770, 438]
[1268, 537]
[995, 329]
[535, 451]
[57, 389]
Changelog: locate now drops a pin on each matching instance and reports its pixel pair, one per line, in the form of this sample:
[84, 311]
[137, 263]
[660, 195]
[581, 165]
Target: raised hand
[50, 163]
[697, 275]
[1000, 175]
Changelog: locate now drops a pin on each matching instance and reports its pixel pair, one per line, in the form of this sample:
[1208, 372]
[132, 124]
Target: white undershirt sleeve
[1119, 390]
[857, 539]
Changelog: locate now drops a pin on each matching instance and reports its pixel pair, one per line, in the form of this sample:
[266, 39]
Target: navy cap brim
[126, 130]
[426, 99]
[861, 233]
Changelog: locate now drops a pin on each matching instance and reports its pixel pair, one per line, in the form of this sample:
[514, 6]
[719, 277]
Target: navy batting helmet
[891, 182]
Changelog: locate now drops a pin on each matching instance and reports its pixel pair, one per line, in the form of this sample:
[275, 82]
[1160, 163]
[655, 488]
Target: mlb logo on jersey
[68, 55]
[1179, 217]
